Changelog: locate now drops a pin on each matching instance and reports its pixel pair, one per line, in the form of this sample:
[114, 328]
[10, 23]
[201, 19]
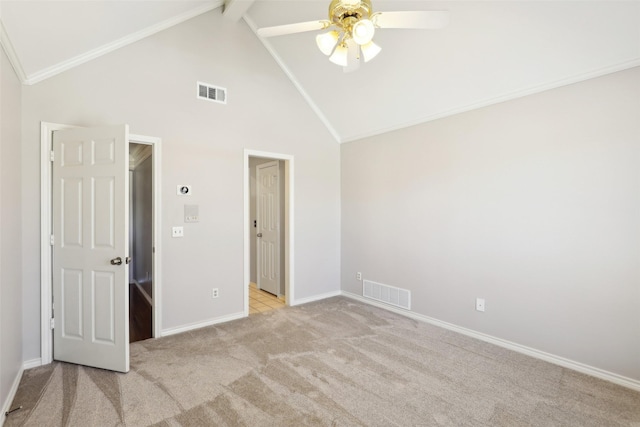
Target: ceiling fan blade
[299, 27]
[420, 19]
[353, 57]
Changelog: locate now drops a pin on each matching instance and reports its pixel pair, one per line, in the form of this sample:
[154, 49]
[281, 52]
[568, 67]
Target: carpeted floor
[335, 362]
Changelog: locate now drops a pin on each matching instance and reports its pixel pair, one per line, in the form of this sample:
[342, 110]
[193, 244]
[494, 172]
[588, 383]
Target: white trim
[46, 337]
[60, 67]
[317, 297]
[502, 98]
[6, 405]
[291, 77]
[156, 160]
[33, 363]
[547, 357]
[5, 41]
[198, 325]
[289, 225]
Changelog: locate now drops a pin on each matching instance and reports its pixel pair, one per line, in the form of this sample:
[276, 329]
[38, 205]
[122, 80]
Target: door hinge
[52, 240]
[52, 323]
[52, 155]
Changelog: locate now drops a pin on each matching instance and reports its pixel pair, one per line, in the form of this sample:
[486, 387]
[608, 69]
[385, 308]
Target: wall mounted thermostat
[191, 213]
[184, 190]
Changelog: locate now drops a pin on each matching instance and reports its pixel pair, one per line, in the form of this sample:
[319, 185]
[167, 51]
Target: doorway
[140, 241]
[268, 231]
[46, 265]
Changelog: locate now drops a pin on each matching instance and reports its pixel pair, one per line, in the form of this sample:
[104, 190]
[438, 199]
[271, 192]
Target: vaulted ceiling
[490, 52]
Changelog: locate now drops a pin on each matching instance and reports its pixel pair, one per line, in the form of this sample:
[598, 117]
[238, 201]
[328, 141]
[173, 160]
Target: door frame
[46, 206]
[289, 225]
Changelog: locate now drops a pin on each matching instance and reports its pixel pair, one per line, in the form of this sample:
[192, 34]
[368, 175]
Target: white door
[90, 253]
[268, 196]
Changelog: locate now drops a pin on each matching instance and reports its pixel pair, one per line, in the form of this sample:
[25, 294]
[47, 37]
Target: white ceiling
[490, 52]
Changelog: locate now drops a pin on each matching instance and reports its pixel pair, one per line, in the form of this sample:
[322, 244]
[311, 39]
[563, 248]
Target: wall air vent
[212, 93]
[387, 294]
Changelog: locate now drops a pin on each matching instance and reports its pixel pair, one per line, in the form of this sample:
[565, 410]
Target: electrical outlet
[480, 304]
[177, 232]
[358, 276]
[214, 293]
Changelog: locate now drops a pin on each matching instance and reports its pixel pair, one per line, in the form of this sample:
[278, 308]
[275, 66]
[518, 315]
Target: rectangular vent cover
[212, 93]
[387, 294]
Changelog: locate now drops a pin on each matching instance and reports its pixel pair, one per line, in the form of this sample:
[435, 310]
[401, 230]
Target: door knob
[259, 234]
[116, 261]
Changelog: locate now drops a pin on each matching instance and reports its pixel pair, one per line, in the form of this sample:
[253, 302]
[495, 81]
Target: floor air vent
[387, 294]
[212, 93]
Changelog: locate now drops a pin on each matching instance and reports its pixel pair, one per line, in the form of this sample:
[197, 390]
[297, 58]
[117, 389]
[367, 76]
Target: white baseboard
[198, 325]
[300, 301]
[6, 405]
[33, 363]
[547, 357]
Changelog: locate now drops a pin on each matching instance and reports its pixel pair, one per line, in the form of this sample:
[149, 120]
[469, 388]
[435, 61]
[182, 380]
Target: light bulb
[327, 41]
[362, 31]
[370, 50]
[340, 55]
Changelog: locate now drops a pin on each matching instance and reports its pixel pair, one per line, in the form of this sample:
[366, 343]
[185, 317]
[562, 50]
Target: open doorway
[140, 242]
[268, 231]
[266, 289]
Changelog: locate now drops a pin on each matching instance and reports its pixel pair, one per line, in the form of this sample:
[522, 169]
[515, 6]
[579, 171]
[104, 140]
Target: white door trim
[156, 162]
[289, 224]
[46, 337]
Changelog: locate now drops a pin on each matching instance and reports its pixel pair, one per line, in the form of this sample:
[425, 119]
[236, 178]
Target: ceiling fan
[352, 25]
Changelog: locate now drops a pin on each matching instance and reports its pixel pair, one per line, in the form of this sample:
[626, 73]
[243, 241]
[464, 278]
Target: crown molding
[599, 72]
[56, 69]
[295, 82]
[5, 41]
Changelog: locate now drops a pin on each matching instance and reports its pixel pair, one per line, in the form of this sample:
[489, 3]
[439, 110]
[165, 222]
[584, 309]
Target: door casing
[46, 144]
[289, 224]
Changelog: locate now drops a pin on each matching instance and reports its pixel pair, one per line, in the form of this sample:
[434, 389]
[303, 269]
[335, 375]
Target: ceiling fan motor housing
[345, 13]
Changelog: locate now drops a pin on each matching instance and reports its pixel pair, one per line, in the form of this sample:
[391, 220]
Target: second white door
[268, 216]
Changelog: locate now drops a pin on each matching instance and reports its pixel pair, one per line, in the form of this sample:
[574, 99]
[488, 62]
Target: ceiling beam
[235, 9]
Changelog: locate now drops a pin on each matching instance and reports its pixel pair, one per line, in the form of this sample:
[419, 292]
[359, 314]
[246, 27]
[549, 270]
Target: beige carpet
[332, 363]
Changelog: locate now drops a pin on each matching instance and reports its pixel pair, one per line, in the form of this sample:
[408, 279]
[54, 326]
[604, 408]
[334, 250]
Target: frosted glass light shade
[363, 31]
[340, 55]
[370, 50]
[327, 41]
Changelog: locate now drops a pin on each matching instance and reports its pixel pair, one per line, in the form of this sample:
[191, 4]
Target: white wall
[151, 85]
[532, 204]
[10, 232]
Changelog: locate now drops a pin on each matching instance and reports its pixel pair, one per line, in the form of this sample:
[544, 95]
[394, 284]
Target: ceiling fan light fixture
[327, 41]
[362, 31]
[370, 50]
[340, 55]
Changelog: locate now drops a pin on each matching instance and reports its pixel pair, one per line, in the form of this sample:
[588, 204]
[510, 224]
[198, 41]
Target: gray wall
[10, 230]
[151, 85]
[532, 204]
[143, 221]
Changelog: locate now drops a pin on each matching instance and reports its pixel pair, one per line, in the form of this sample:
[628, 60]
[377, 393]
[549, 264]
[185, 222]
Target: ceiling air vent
[212, 93]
